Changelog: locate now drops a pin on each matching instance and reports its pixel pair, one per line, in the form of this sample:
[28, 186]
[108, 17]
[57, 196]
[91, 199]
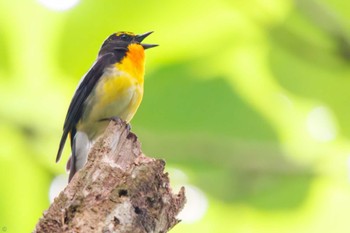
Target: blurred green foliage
[249, 98]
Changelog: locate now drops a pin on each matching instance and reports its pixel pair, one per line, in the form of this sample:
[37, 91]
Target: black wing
[76, 106]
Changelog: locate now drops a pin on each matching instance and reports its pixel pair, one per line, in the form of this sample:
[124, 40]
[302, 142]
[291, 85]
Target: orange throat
[134, 62]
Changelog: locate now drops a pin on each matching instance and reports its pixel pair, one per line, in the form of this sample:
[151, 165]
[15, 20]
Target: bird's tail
[80, 150]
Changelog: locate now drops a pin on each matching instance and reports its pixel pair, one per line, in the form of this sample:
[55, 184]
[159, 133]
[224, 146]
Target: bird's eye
[124, 37]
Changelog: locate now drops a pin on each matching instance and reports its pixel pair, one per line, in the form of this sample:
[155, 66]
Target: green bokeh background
[249, 98]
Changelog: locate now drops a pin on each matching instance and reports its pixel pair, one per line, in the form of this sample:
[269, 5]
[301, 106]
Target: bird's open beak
[140, 38]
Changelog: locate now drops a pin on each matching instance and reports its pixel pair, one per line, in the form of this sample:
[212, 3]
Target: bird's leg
[128, 127]
[130, 135]
[114, 118]
[117, 120]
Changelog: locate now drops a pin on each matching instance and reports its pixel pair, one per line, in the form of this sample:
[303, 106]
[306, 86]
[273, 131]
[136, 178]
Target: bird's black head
[119, 42]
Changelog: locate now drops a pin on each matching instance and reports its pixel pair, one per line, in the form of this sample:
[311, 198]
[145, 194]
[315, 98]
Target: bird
[111, 89]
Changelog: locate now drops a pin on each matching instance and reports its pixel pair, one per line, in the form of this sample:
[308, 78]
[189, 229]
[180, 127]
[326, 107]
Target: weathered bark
[118, 190]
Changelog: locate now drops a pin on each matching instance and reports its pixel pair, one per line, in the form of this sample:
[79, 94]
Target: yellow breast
[119, 96]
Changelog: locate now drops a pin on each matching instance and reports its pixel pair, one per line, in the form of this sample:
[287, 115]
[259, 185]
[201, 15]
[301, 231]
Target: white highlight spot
[196, 206]
[59, 5]
[177, 176]
[321, 124]
[57, 185]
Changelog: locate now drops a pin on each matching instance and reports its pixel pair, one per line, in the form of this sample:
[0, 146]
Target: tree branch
[118, 190]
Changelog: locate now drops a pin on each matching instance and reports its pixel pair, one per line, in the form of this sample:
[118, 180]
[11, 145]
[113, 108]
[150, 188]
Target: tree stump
[118, 190]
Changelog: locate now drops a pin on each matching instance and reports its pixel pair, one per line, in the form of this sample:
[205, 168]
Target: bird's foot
[114, 118]
[117, 120]
[128, 127]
